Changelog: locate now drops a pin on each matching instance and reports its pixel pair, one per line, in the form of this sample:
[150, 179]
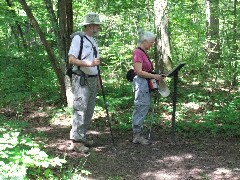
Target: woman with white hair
[142, 68]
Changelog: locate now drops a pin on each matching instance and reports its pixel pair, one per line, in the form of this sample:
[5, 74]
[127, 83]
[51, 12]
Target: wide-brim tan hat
[91, 18]
[163, 89]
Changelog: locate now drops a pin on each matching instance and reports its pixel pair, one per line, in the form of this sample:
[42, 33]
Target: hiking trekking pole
[152, 114]
[103, 93]
[106, 107]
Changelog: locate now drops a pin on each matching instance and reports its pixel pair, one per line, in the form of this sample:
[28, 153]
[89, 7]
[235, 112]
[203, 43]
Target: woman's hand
[159, 76]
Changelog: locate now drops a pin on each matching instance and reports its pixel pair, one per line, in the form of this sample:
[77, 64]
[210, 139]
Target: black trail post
[174, 73]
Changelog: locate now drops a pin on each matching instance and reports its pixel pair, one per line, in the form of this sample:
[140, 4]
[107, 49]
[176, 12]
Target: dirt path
[165, 159]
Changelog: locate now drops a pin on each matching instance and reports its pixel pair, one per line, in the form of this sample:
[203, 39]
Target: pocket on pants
[79, 97]
[77, 103]
[141, 92]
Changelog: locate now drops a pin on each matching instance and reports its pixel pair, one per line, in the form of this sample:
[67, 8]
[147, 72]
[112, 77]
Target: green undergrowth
[216, 114]
[21, 157]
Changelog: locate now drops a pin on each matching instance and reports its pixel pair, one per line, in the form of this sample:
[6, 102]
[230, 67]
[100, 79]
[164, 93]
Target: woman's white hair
[145, 36]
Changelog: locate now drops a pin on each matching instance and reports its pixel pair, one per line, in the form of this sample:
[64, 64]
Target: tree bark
[164, 63]
[235, 68]
[54, 23]
[65, 15]
[50, 53]
[212, 32]
[17, 30]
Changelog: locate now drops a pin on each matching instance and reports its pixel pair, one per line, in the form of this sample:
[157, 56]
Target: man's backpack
[69, 71]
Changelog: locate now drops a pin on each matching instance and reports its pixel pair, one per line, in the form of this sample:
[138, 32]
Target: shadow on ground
[166, 159]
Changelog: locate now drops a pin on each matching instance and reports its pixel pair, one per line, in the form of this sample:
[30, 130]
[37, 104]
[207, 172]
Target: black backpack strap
[81, 48]
[147, 57]
[69, 71]
[94, 47]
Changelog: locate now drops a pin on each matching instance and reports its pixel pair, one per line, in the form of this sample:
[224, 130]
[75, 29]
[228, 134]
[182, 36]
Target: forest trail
[165, 159]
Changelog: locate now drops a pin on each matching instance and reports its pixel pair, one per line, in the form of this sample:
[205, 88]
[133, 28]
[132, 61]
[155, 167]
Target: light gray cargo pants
[141, 103]
[84, 99]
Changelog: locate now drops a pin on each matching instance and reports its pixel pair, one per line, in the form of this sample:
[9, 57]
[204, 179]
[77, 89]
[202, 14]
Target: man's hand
[95, 62]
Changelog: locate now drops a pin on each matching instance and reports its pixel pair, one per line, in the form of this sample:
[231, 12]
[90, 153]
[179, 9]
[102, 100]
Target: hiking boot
[138, 139]
[86, 142]
[78, 147]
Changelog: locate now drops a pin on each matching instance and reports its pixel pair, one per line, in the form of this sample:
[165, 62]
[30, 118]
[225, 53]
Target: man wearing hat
[84, 80]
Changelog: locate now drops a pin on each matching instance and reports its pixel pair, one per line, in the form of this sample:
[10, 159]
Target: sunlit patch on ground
[161, 175]
[43, 129]
[224, 173]
[192, 105]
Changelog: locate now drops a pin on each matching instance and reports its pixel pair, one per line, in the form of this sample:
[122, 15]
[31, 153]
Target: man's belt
[86, 75]
[92, 75]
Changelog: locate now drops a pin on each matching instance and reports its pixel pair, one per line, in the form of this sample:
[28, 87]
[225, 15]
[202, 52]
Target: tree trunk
[62, 35]
[50, 53]
[17, 30]
[54, 23]
[212, 32]
[164, 63]
[65, 15]
[234, 67]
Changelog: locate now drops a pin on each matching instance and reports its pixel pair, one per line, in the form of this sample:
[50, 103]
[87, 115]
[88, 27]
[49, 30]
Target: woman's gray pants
[84, 99]
[141, 103]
